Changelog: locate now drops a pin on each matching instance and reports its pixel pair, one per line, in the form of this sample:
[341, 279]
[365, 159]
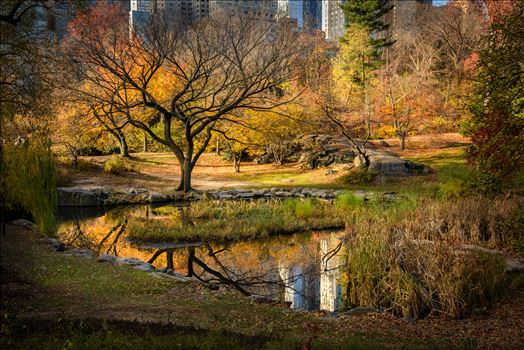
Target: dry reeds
[418, 265]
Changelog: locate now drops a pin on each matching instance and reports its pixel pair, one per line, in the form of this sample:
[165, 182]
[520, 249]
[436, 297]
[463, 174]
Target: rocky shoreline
[107, 196]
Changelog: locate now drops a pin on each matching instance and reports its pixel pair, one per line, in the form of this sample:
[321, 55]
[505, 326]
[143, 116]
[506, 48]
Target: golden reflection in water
[303, 263]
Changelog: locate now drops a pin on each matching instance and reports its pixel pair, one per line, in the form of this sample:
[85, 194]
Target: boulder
[83, 253]
[157, 197]
[144, 267]
[106, 258]
[387, 166]
[54, 243]
[23, 223]
[324, 150]
[78, 197]
[133, 261]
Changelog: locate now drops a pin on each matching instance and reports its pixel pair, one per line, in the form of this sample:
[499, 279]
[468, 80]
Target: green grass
[234, 220]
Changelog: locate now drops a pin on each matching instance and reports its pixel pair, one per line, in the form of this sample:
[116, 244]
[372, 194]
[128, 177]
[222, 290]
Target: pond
[303, 270]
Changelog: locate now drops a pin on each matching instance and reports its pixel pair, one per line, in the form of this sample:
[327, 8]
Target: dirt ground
[160, 171]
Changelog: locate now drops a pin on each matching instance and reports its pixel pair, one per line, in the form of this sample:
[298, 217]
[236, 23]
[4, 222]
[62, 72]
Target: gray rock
[246, 195]
[54, 243]
[390, 166]
[225, 196]
[283, 194]
[157, 197]
[133, 261]
[106, 258]
[389, 197]
[144, 267]
[514, 265]
[23, 223]
[78, 197]
[383, 143]
[83, 253]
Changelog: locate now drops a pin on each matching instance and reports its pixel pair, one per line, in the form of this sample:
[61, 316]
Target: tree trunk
[187, 168]
[402, 141]
[124, 148]
[169, 258]
[190, 259]
[237, 163]
[180, 186]
[145, 149]
[187, 176]
[217, 150]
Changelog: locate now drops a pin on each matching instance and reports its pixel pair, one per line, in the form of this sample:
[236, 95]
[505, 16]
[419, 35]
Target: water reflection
[304, 270]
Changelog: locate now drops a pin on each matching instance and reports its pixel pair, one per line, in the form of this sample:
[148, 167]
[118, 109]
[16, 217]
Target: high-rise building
[183, 12]
[333, 19]
[313, 14]
[405, 16]
[293, 9]
[139, 13]
[265, 8]
[306, 13]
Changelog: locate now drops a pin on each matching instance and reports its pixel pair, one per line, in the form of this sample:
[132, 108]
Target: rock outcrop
[325, 150]
[275, 193]
[106, 196]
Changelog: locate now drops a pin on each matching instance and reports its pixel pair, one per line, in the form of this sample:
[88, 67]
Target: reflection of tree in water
[76, 237]
[290, 268]
[220, 264]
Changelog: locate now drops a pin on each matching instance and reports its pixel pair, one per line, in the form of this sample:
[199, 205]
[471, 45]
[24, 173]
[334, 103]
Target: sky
[439, 2]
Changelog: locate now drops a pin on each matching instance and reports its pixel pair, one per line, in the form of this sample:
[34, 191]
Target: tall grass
[423, 263]
[29, 182]
[226, 221]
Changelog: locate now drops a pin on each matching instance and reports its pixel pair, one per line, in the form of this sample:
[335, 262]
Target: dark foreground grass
[226, 221]
[118, 334]
[53, 301]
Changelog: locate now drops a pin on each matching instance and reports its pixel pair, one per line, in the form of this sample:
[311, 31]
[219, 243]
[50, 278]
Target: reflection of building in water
[301, 286]
[330, 289]
[287, 266]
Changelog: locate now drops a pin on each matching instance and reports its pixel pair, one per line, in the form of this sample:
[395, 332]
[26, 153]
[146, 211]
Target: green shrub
[455, 181]
[63, 176]
[348, 201]
[304, 209]
[116, 164]
[358, 177]
[85, 165]
[299, 208]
